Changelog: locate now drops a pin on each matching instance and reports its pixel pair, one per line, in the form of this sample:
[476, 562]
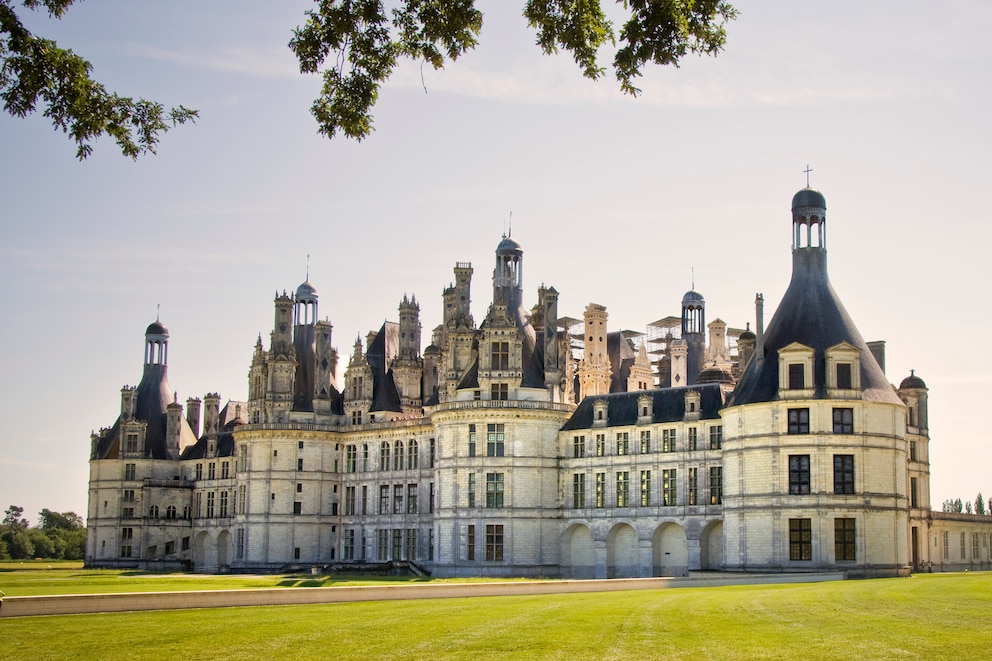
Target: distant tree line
[955, 505]
[58, 536]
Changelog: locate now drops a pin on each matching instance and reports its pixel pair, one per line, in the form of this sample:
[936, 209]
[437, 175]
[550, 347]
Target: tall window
[975, 546]
[223, 503]
[798, 473]
[499, 392]
[131, 443]
[432, 452]
[199, 472]
[645, 441]
[413, 455]
[579, 447]
[471, 440]
[494, 490]
[384, 499]
[600, 489]
[843, 421]
[645, 488]
[365, 457]
[242, 491]
[471, 489]
[470, 543]
[212, 470]
[843, 473]
[800, 539]
[600, 445]
[211, 497]
[500, 356]
[411, 499]
[241, 543]
[365, 499]
[693, 486]
[349, 500]
[913, 497]
[384, 456]
[299, 464]
[946, 546]
[382, 544]
[494, 543]
[494, 440]
[912, 451]
[397, 498]
[798, 421]
[691, 439]
[350, 458]
[963, 547]
[348, 551]
[579, 490]
[669, 492]
[716, 437]
[623, 443]
[668, 440]
[797, 376]
[398, 456]
[716, 485]
[411, 544]
[844, 381]
[129, 471]
[623, 488]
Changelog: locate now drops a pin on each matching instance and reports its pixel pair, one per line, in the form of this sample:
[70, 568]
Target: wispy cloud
[261, 62]
[33, 465]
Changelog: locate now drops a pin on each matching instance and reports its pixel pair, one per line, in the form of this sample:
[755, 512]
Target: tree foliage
[59, 535]
[357, 43]
[980, 504]
[36, 71]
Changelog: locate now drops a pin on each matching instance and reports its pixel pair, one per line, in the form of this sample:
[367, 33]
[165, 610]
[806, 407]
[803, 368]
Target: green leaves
[578, 26]
[36, 71]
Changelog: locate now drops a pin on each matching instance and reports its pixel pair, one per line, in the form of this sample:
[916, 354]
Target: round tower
[508, 274]
[694, 333]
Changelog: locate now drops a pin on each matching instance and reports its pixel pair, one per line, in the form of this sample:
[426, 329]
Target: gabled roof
[668, 405]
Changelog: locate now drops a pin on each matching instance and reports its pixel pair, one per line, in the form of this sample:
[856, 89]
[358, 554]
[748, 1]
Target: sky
[624, 202]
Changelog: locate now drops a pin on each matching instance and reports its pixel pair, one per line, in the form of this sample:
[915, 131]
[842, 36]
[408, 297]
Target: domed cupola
[912, 381]
[508, 276]
[306, 293]
[306, 304]
[809, 217]
[156, 344]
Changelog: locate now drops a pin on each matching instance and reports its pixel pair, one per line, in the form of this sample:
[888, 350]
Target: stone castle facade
[535, 444]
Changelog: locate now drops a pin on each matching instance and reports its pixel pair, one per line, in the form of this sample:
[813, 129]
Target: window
[623, 443]
[348, 551]
[241, 543]
[470, 543]
[844, 381]
[844, 549]
[494, 440]
[690, 440]
[398, 456]
[946, 546]
[645, 441]
[397, 498]
[185, 544]
[129, 471]
[225, 470]
[471, 489]
[128, 495]
[716, 437]
[384, 499]
[411, 499]
[843, 473]
[365, 499]
[153, 512]
[579, 447]
[600, 489]
[623, 488]
[500, 356]
[843, 421]
[223, 503]
[350, 458]
[800, 539]
[384, 456]
[668, 440]
[131, 444]
[299, 464]
[471, 440]
[128, 513]
[963, 547]
[433, 452]
[413, 455]
[199, 504]
[912, 451]
[600, 445]
[494, 543]
[430, 496]
[579, 490]
[913, 497]
[669, 491]
[716, 485]
[349, 500]
[798, 473]
[382, 544]
[299, 487]
[125, 550]
[494, 490]
[798, 421]
[693, 486]
[243, 459]
[211, 470]
[411, 544]
[211, 497]
[645, 488]
[499, 392]
[397, 543]
[170, 547]
[975, 553]
[199, 472]
[170, 512]
[797, 376]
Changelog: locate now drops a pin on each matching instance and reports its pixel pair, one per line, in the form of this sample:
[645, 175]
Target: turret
[211, 413]
[594, 368]
[508, 274]
[693, 332]
[193, 415]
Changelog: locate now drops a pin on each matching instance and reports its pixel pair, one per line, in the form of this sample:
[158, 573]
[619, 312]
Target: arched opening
[578, 558]
[711, 546]
[204, 553]
[223, 548]
[670, 551]
[621, 552]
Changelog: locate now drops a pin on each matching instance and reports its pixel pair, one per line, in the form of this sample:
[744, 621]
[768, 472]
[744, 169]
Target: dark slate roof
[810, 313]
[225, 447]
[668, 406]
[471, 377]
[620, 351]
[385, 396]
[912, 381]
[157, 328]
[808, 197]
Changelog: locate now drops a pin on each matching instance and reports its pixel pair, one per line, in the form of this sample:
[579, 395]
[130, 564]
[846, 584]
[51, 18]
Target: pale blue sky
[614, 200]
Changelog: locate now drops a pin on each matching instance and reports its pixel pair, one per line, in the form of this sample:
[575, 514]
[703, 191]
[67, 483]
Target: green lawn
[923, 617]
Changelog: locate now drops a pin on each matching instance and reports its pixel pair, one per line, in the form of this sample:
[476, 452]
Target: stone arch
[622, 552]
[578, 557]
[670, 551]
[223, 548]
[204, 552]
[711, 546]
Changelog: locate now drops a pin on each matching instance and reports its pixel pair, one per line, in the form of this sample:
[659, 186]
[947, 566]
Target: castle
[533, 444]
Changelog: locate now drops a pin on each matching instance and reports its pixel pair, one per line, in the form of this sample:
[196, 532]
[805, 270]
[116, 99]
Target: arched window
[153, 511]
[384, 456]
[398, 456]
[170, 512]
[413, 460]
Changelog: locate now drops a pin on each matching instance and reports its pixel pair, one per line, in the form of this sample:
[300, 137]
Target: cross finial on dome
[807, 171]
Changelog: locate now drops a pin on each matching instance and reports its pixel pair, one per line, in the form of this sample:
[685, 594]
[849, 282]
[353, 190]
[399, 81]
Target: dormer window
[692, 405]
[795, 371]
[844, 376]
[645, 408]
[843, 371]
[797, 376]
[599, 413]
